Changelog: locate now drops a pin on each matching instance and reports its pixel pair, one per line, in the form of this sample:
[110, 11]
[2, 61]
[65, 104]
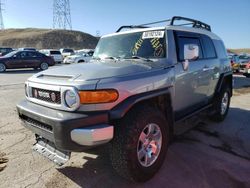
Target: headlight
[70, 99]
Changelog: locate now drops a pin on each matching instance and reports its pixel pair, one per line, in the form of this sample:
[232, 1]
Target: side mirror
[191, 51]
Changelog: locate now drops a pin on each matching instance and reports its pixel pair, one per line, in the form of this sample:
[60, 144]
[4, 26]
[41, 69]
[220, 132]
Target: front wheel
[140, 143]
[44, 66]
[221, 105]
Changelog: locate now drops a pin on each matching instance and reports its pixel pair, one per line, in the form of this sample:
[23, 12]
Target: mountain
[46, 38]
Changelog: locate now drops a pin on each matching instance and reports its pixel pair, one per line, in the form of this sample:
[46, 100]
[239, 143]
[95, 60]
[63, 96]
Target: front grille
[37, 124]
[46, 95]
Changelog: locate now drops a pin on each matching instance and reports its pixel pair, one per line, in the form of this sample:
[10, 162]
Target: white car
[56, 54]
[67, 52]
[79, 57]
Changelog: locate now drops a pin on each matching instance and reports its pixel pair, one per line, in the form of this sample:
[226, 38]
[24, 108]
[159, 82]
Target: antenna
[61, 14]
[1, 17]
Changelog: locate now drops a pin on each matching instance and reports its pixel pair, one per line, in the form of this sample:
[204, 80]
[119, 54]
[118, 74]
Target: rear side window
[208, 47]
[187, 40]
[55, 52]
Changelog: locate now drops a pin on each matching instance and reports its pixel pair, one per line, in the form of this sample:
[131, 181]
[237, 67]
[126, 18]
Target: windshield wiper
[142, 58]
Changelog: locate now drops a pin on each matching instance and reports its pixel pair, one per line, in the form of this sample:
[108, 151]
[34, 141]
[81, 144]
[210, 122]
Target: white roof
[170, 27]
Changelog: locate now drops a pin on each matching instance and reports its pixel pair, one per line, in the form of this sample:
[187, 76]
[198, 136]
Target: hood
[85, 72]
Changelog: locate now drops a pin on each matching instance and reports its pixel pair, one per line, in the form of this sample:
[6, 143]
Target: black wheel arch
[160, 98]
[225, 79]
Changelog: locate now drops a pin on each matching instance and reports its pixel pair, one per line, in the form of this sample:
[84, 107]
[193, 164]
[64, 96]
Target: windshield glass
[10, 54]
[148, 44]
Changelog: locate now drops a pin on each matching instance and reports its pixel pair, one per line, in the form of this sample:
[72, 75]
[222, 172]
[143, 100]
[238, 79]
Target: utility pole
[61, 14]
[1, 17]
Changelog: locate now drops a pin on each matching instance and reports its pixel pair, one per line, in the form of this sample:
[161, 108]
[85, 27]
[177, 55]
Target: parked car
[5, 50]
[79, 57]
[243, 59]
[56, 54]
[139, 85]
[235, 62]
[25, 59]
[246, 71]
[67, 52]
[27, 48]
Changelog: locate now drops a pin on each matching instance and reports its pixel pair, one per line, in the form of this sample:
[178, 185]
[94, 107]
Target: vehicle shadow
[192, 161]
[21, 71]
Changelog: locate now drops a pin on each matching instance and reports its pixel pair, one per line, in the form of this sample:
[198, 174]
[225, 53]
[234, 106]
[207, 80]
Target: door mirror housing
[191, 52]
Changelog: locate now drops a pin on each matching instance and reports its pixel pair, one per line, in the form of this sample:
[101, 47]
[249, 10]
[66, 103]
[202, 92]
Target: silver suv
[140, 83]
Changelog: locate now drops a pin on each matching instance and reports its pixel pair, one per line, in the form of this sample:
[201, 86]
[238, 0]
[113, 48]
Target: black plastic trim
[61, 122]
[121, 109]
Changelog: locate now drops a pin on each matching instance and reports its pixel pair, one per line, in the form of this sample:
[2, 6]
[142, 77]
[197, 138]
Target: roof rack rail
[192, 22]
[130, 27]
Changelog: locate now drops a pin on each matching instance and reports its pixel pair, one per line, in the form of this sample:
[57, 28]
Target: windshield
[148, 44]
[10, 54]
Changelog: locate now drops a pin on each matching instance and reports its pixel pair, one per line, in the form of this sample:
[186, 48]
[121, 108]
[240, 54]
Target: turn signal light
[99, 96]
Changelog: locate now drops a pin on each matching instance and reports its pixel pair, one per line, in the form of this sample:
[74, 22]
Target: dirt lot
[208, 155]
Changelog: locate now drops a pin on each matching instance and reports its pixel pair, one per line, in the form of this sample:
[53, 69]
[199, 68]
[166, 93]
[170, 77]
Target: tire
[44, 66]
[2, 67]
[81, 61]
[127, 142]
[221, 105]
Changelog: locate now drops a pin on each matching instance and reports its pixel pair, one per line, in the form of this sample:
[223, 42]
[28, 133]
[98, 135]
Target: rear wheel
[221, 105]
[2, 67]
[44, 66]
[140, 143]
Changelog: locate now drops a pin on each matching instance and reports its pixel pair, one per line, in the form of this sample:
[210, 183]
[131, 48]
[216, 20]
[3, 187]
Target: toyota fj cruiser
[140, 82]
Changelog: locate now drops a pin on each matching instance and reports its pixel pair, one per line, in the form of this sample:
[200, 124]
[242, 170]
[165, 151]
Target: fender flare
[121, 109]
[227, 76]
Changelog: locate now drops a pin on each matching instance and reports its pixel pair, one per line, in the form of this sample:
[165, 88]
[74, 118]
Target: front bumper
[69, 131]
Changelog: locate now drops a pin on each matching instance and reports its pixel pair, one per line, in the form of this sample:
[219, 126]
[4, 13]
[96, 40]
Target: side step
[48, 150]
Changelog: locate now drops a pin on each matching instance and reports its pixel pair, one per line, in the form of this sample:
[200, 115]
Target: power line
[61, 14]
[1, 17]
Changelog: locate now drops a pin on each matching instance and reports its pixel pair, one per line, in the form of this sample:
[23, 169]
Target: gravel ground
[208, 155]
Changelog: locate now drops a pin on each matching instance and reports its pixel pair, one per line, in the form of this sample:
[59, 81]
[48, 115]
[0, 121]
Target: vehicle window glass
[22, 55]
[55, 52]
[90, 53]
[187, 40]
[30, 54]
[208, 47]
[142, 44]
[68, 51]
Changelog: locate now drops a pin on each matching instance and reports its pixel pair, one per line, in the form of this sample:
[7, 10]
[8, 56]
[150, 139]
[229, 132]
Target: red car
[25, 59]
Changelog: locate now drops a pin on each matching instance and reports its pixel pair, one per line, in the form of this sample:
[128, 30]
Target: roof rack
[192, 22]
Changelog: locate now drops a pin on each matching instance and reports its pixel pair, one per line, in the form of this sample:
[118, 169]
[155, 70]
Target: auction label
[152, 34]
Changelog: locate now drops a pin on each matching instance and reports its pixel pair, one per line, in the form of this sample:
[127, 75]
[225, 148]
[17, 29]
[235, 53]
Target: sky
[230, 19]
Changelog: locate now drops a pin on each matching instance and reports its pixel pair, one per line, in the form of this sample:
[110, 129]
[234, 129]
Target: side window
[208, 46]
[187, 40]
[22, 55]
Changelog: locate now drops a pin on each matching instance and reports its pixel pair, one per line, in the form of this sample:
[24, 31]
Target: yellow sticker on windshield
[152, 34]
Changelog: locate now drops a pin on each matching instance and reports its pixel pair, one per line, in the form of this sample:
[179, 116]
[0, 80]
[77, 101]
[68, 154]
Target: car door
[33, 59]
[16, 60]
[191, 85]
